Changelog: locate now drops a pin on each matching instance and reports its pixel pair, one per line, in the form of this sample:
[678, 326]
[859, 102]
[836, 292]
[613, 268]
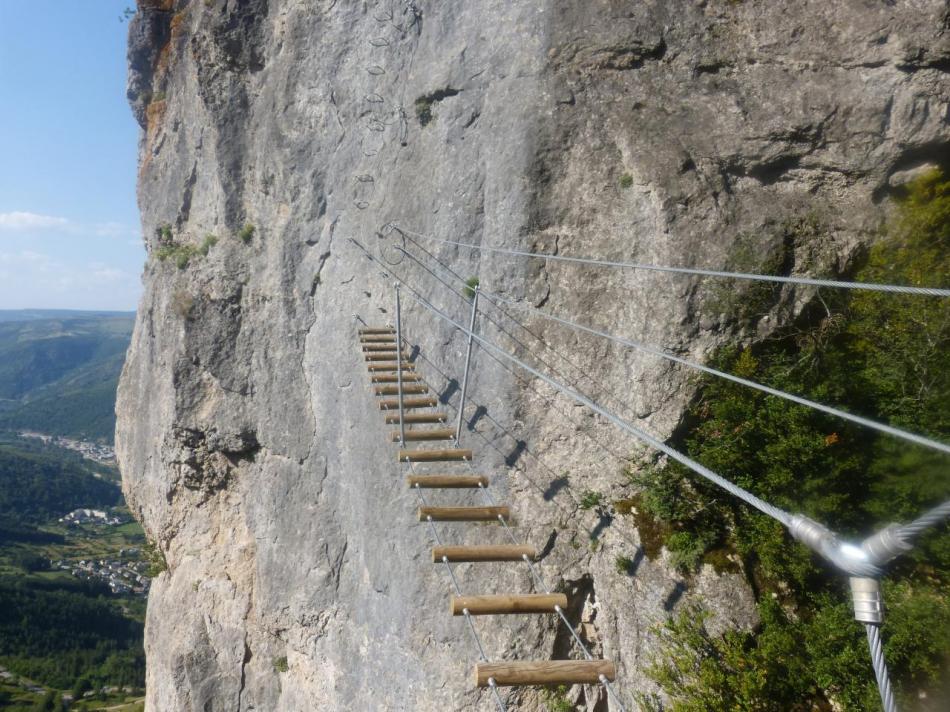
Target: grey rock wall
[671, 132]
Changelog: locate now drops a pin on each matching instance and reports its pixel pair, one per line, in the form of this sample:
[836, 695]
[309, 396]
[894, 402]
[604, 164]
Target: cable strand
[807, 281]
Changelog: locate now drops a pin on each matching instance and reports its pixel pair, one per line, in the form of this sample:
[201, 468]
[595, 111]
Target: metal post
[468, 363]
[402, 424]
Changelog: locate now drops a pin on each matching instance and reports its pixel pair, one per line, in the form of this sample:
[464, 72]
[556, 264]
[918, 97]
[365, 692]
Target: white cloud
[30, 279]
[30, 221]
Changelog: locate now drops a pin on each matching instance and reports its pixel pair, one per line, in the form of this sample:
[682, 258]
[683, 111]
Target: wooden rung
[506, 604]
[377, 331]
[447, 481]
[407, 389]
[386, 356]
[452, 455]
[389, 366]
[432, 434]
[461, 554]
[545, 672]
[378, 339]
[414, 402]
[393, 378]
[367, 348]
[417, 418]
[463, 514]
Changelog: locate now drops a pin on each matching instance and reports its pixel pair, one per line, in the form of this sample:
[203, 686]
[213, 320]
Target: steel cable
[776, 513]
[808, 281]
[655, 351]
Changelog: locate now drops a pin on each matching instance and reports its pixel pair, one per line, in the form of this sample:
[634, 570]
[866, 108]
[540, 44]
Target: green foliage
[86, 412]
[876, 354]
[623, 565]
[626, 180]
[59, 375]
[246, 233]
[58, 633]
[556, 699]
[471, 284]
[423, 107]
[767, 670]
[591, 499]
[280, 665]
[156, 560]
[164, 233]
[35, 488]
[183, 254]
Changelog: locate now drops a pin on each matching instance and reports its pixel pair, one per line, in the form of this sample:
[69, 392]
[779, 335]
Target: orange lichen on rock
[166, 5]
[178, 24]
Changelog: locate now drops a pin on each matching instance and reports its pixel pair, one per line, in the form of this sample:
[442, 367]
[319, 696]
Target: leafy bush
[591, 499]
[423, 107]
[878, 354]
[626, 180]
[469, 289]
[623, 565]
[246, 233]
[280, 665]
[183, 254]
[556, 699]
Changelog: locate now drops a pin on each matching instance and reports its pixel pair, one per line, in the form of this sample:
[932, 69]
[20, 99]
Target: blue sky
[69, 226]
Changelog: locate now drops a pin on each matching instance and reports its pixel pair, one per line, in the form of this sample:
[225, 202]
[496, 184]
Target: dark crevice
[578, 592]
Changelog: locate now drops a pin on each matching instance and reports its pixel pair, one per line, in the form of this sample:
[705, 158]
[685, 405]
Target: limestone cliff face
[704, 133]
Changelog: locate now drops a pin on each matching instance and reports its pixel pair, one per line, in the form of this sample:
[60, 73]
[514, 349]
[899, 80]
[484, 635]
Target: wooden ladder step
[432, 434]
[463, 554]
[507, 604]
[378, 339]
[375, 331]
[407, 389]
[452, 455]
[463, 514]
[393, 378]
[414, 402]
[545, 672]
[388, 366]
[386, 356]
[369, 348]
[447, 481]
[412, 418]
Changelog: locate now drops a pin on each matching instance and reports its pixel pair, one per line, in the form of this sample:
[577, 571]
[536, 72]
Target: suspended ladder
[863, 562]
[392, 374]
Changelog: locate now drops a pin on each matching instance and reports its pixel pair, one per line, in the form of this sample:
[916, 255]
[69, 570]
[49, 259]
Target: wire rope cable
[772, 511]
[656, 351]
[807, 281]
[880, 667]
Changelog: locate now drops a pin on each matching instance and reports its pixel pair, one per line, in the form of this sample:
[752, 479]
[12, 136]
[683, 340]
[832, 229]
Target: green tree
[876, 354]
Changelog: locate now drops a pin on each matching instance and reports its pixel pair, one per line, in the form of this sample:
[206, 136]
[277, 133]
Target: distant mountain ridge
[59, 370]
[40, 314]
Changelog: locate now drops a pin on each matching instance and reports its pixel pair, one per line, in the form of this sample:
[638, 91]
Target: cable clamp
[867, 600]
[851, 559]
[887, 544]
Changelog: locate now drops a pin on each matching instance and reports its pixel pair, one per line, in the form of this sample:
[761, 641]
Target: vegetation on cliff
[872, 353]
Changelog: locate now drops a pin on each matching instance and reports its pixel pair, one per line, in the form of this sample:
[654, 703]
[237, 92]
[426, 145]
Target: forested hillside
[36, 488]
[59, 370]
